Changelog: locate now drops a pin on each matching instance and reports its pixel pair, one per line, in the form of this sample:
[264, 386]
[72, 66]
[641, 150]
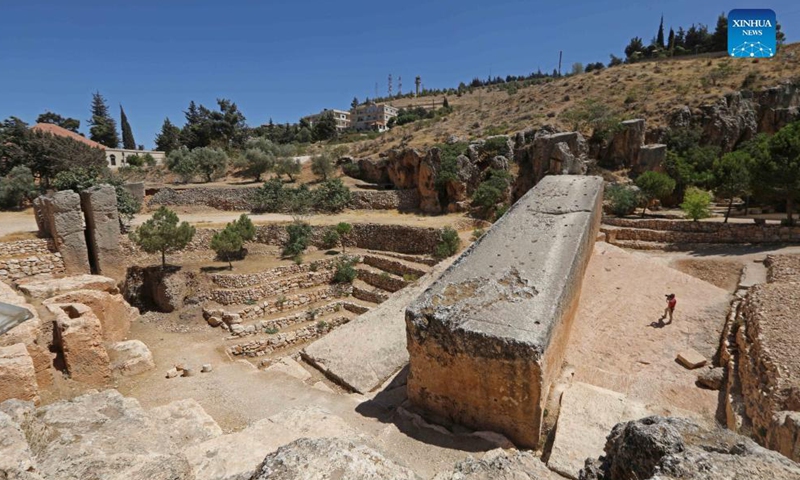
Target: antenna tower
[390, 85]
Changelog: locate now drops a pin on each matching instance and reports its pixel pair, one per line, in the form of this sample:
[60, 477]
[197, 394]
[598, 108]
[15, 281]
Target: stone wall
[369, 236]
[280, 304]
[243, 199]
[257, 348]
[397, 267]
[24, 258]
[383, 280]
[277, 287]
[487, 339]
[763, 397]
[232, 280]
[677, 231]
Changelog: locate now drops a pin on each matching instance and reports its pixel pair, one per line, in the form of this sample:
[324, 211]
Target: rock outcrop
[500, 465]
[17, 374]
[673, 448]
[62, 219]
[549, 154]
[486, 341]
[325, 458]
[623, 150]
[49, 287]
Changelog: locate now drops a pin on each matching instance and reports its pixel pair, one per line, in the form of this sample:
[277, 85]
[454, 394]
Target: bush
[181, 163]
[495, 146]
[330, 238]
[654, 185]
[331, 196]
[477, 233]
[17, 187]
[623, 199]
[227, 243]
[299, 237]
[500, 212]
[352, 170]
[695, 203]
[345, 270]
[322, 165]
[492, 190]
[134, 160]
[271, 197]
[449, 243]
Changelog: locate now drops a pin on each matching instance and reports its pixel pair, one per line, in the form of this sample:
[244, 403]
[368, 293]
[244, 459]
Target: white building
[115, 157]
[342, 118]
[372, 116]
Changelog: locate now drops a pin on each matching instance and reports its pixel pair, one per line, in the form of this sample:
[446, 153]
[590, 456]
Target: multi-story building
[342, 118]
[372, 116]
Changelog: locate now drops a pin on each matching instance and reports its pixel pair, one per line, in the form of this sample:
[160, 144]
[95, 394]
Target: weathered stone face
[80, 339]
[651, 157]
[487, 339]
[114, 312]
[66, 226]
[624, 147]
[131, 357]
[102, 220]
[550, 153]
[17, 374]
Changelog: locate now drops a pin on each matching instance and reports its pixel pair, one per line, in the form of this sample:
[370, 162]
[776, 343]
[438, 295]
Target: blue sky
[285, 59]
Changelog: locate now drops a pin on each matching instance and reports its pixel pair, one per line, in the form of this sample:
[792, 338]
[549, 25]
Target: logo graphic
[751, 33]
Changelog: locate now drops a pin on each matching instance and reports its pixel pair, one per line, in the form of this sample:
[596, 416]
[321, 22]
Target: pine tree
[169, 138]
[719, 39]
[671, 41]
[127, 133]
[660, 36]
[104, 128]
[354, 103]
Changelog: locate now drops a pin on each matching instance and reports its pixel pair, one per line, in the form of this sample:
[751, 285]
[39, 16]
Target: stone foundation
[687, 232]
[25, 258]
[487, 340]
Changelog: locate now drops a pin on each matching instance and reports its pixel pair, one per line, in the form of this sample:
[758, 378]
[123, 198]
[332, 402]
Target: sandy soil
[722, 273]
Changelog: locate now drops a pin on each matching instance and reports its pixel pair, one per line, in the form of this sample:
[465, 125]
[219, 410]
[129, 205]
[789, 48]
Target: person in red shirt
[671, 302]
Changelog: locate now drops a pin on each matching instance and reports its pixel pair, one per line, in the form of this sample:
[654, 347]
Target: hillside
[650, 90]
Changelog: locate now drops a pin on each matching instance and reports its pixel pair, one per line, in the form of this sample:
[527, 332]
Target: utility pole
[376, 91]
[399, 86]
[417, 82]
[559, 62]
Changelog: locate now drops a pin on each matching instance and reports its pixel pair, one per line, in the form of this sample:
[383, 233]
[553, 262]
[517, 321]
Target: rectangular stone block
[67, 229]
[102, 221]
[486, 341]
[80, 338]
[17, 374]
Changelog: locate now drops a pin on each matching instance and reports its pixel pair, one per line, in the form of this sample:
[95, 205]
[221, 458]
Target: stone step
[368, 293]
[418, 259]
[380, 279]
[299, 334]
[281, 286]
[279, 304]
[395, 265]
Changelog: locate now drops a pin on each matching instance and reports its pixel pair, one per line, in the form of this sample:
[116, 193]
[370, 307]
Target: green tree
[345, 270]
[70, 124]
[777, 173]
[636, 45]
[212, 163]
[654, 185]
[181, 162]
[719, 39]
[104, 129]
[260, 157]
[354, 103]
[331, 196]
[343, 229]
[299, 238]
[48, 155]
[169, 138]
[696, 203]
[660, 34]
[245, 227]
[204, 127]
[289, 167]
[449, 243]
[227, 243]
[325, 127]
[322, 165]
[17, 187]
[623, 199]
[732, 177]
[127, 133]
[330, 238]
[271, 197]
[163, 234]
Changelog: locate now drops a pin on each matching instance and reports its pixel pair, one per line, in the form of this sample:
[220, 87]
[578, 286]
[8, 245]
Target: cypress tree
[660, 36]
[127, 133]
[104, 128]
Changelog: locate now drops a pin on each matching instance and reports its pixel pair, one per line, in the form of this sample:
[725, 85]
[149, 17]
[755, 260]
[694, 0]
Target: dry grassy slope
[653, 90]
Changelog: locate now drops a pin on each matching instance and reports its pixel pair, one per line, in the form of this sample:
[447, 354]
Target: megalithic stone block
[67, 229]
[487, 340]
[102, 220]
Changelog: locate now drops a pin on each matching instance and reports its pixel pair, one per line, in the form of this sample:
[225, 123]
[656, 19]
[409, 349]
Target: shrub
[449, 243]
[330, 238]
[478, 233]
[495, 146]
[500, 212]
[410, 277]
[227, 243]
[244, 226]
[134, 160]
[695, 203]
[17, 187]
[345, 270]
[492, 190]
[654, 185]
[623, 199]
[352, 170]
[322, 165]
[271, 197]
[299, 237]
[181, 162]
[343, 229]
[331, 196]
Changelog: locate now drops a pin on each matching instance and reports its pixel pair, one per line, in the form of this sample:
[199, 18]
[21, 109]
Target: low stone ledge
[487, 340]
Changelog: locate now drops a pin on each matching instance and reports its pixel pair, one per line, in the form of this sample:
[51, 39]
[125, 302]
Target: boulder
[546, 155]
[186, 422]
[289, 366]
[672, 448]
[651, 158]
[16, 458]
[30, 333]
[131, 357]
[712, 378]
[114, 312]
[79, 337]
[374, 171]
[500, 464]
[326, 458]
[403, 168]
[49, 287]
[623, 150]
[17, 374]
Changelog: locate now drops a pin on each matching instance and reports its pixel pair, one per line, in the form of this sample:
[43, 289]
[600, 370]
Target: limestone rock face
[46, 288]
[500, 465]
[374, 171]
[672, 448]
[426, 182]
[102, 220]
[131, 357]
[651, 158]
[16, 459]
[325, 458]
[100, 435]
[29, 333]
[186, 422]
[549, 153]
[79, 336]
[114, 312]
[17, 374]
[626, 143]
[403, 167]
[65, 221]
